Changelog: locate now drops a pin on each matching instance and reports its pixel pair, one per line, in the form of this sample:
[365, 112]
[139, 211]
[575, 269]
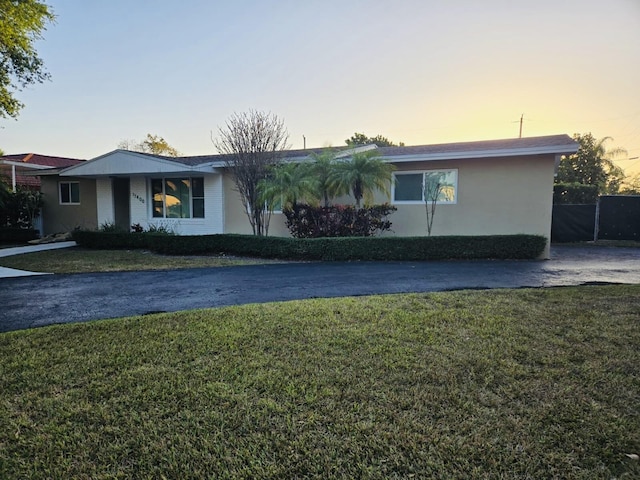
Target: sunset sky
[416, 71]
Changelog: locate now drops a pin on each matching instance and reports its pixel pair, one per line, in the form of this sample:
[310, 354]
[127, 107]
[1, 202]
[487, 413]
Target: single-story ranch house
[491, 187]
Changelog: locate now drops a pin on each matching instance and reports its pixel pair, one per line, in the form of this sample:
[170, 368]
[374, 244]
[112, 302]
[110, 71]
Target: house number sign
[137, 197]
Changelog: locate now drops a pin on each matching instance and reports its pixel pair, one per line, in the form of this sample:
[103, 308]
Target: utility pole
[521, 118]
[304, 142]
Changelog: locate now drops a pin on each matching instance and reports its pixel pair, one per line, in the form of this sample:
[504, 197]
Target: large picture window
[178, 197]
[69, 193]
[413, 187]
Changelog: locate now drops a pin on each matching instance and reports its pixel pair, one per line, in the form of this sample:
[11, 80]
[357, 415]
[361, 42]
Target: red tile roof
[45, 160]
[33, 159]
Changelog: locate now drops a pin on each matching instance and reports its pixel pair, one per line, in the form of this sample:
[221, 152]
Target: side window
[408, 187]
[69, 193]
[413, 187]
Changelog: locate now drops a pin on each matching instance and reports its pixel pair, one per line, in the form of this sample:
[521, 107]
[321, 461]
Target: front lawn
[526, 384]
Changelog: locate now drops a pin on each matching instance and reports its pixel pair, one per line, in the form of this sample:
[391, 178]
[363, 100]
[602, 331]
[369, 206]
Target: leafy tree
[592, 165]
[153, 144]
[361, 139]
[252, 142]
[20, 208]
[21, 24]
[287, 184]
[361, 175]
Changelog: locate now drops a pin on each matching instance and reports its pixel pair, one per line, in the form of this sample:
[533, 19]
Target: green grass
[525, 384]
[79, 260]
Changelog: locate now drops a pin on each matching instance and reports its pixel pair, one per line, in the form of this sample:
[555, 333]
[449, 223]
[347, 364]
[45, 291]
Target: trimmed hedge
[346, 248]
[17, 235]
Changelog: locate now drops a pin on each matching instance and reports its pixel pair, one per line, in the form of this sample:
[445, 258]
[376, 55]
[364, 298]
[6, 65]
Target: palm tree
[287, 184]
[322, 168]
[361, 175]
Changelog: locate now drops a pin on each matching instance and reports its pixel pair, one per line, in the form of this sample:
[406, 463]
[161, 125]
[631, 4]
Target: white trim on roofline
[509, 152]
[30, 166]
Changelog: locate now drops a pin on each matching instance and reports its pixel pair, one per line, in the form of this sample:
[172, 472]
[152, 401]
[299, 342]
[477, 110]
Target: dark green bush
[17, 235]
[340, 248]
[19, 209]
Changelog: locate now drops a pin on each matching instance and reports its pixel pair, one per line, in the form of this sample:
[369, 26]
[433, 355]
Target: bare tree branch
[431, 189]
[252, 143]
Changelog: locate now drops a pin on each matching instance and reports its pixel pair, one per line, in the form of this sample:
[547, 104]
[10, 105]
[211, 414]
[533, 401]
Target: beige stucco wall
[495, 196]
[64, 218]
[235, 217]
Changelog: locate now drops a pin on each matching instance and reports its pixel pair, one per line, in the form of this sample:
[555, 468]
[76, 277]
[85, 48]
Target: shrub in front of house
[307, 221]
[19, 209]
[328, 249]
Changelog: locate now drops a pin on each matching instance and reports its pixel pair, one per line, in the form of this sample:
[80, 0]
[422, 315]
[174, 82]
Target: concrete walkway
[8, 252]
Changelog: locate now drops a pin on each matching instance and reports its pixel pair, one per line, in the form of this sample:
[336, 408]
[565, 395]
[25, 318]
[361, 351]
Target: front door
[121, 203]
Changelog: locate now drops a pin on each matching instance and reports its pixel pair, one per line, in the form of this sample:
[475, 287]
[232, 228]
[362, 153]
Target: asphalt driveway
[42, 300]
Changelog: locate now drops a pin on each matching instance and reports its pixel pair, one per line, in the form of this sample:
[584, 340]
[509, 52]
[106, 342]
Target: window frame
[192, 198]
[69, 183]
[265, 208]
[424, 173]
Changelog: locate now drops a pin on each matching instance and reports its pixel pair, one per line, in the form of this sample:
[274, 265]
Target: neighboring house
[488, 187]
[18, 172]
[14, 167]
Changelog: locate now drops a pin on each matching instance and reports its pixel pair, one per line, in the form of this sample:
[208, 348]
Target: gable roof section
[125, 162]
